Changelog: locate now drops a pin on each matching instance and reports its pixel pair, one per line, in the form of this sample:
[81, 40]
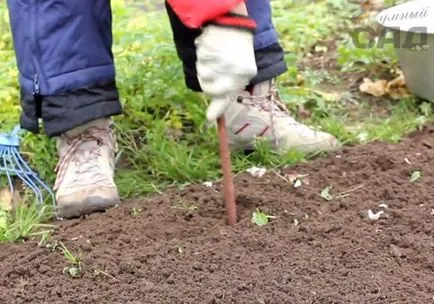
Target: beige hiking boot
[85, 172]
[261, 114]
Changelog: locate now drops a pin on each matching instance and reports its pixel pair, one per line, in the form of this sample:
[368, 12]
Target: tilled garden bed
[176, 248]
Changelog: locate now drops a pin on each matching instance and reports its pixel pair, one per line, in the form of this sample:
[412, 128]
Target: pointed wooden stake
[228, 184]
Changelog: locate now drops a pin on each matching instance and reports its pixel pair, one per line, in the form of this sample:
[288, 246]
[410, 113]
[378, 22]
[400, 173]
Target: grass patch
[25, 222]
[163, 136]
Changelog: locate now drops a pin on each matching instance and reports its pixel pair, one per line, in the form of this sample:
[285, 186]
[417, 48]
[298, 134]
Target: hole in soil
[384, 163]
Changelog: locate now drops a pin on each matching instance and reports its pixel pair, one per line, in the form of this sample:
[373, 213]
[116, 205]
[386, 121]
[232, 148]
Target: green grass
[163, 137]
[25, 222]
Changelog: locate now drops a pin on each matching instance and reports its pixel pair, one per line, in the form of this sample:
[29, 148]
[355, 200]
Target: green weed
[261, 218]
[415, 176]
[24, 222]
[74, 262]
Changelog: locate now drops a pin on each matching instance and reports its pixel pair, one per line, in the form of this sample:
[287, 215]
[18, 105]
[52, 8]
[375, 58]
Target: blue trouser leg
[65, 62]
[269, 54]
[266, 35]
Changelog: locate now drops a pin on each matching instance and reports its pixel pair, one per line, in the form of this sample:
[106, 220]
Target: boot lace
[85, 160]
[270, 102]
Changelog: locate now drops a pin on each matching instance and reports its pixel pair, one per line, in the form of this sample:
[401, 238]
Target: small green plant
[46, 238]
[326, 193]
[426, 108]
[74, 268]
[136, 211]
[180, 249]
[185, 206]
[261, 218]
[4, 219]
[24, 222]
[415, 176]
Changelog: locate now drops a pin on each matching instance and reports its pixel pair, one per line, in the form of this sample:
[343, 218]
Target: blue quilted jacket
[69, 43]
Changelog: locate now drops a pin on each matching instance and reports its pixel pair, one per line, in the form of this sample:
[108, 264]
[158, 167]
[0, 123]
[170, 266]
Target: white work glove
[225, 61]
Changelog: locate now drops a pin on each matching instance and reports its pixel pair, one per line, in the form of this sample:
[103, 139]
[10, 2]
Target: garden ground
[320, 247]
[305, 233]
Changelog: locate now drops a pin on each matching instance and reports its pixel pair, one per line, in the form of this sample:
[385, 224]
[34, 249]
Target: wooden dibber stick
[228, 183]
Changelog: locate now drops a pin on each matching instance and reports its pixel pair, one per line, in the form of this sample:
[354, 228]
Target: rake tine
[34, 174]
[25, 177]
[37, 178]
[13, 164]
[11, 186]
[32, 181]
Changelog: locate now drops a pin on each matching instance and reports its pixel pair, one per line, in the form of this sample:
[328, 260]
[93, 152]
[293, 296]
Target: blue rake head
[12, 165]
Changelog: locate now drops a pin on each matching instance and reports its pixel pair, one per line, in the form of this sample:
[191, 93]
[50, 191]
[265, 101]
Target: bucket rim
[416, 16]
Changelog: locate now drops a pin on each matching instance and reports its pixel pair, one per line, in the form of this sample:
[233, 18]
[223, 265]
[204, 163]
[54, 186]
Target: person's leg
[259, 112]
[269, 54]
[67, 79]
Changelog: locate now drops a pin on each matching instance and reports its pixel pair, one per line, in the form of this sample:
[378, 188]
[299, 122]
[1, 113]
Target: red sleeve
[194, 13]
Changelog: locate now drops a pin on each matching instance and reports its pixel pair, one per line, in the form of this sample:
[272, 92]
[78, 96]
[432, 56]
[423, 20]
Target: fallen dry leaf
[398, 81]
[377, 88]
[395, 88]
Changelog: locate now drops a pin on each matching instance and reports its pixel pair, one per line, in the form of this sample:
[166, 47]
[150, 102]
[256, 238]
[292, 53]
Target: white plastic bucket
[413, 25]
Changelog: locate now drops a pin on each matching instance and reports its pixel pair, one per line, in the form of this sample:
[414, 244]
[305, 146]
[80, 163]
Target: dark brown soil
[314, 251]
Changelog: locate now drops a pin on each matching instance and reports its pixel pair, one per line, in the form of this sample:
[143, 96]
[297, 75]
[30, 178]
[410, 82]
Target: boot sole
[92, 204]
